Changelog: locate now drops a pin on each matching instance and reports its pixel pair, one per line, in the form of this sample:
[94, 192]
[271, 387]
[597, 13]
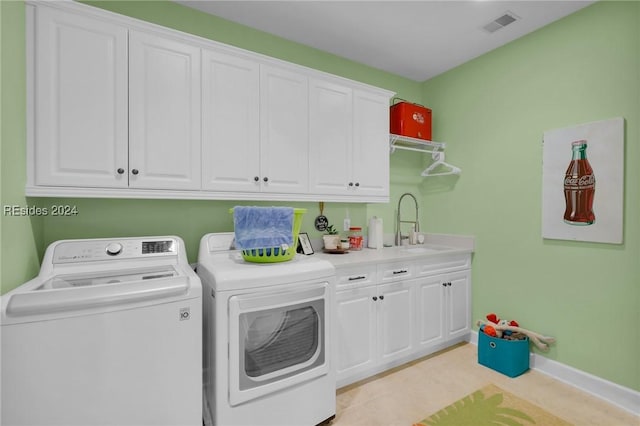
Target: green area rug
[492, 406]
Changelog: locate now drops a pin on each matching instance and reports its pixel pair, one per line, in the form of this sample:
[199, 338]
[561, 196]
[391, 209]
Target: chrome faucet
[399, 221]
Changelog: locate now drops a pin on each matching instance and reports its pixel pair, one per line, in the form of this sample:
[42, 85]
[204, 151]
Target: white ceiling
[414, 39]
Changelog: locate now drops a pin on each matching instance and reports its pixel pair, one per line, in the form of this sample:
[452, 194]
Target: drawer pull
[401, 271]
[361, 277]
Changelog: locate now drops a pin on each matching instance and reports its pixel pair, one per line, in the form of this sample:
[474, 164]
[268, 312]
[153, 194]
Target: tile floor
[410, 393]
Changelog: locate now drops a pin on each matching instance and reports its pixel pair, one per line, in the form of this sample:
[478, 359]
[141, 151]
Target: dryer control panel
[74, 251]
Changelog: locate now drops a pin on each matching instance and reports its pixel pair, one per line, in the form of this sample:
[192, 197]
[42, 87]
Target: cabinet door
[430, 308]
[284, 140]
[459, 303]
[331, 134]
[396, 319]
[370, 166]
[164, 125]
[355, 332]
[231, 125]
[80, 101]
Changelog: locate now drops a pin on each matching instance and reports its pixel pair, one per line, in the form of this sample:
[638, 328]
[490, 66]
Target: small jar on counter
[355, 238]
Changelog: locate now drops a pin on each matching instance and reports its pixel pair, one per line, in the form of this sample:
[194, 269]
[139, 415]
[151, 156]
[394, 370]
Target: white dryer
[109, 333]
[267, 338]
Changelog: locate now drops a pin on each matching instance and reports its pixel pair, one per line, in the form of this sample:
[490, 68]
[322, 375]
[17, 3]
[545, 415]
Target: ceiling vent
[501, 22]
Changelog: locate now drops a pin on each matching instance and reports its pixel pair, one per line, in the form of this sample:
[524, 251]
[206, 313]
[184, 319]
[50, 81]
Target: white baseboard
[620, 396]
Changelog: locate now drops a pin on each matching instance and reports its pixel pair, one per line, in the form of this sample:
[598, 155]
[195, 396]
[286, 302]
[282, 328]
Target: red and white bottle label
[582, 182]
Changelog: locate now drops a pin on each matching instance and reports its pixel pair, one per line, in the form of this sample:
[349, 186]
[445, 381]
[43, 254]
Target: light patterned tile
[410, 393]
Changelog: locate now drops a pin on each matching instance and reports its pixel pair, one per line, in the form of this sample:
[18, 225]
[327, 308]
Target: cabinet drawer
[440, 264]
[355, 276]
[390, 272]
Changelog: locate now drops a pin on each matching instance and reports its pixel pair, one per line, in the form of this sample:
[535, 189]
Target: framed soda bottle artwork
[579, 187]
[575, 205]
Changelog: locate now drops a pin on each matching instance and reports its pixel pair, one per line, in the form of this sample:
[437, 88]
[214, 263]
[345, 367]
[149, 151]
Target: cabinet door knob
[256, 178]
[375, 298]
[381, 297]
[134, 171]
[449, 284]
[350, 183]
[266, 179]
[120, 171]
[444, 284]
[357, 183]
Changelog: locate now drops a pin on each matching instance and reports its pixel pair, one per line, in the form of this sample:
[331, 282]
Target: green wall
[493, 111]
[21, 236]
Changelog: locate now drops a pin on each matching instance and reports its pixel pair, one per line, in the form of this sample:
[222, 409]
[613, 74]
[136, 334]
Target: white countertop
[436, 245]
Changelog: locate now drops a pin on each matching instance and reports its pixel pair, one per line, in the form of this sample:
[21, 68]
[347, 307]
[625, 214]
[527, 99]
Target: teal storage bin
[509, 357]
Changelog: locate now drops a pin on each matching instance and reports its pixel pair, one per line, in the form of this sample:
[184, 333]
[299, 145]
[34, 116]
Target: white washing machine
[267, 338]
[109, 333]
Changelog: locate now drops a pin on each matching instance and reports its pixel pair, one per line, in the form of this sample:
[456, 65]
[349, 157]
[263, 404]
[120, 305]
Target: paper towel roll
[375, 235]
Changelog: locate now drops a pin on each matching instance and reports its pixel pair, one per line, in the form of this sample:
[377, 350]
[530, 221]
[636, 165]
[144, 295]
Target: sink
[425, 249]
[418, 250]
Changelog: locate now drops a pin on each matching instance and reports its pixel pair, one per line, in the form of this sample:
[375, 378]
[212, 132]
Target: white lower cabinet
[443, 308]
[430, 308]
[375, 326]
[357, 332]
[394, 312]
[395, 320]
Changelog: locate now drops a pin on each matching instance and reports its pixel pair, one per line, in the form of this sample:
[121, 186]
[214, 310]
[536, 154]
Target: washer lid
[75, 292]
[110, 277]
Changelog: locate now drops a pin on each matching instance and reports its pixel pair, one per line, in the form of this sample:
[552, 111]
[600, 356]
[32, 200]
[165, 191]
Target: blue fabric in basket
[263, 227]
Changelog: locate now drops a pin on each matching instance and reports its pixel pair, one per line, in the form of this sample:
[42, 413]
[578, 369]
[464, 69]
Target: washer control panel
[73, 251]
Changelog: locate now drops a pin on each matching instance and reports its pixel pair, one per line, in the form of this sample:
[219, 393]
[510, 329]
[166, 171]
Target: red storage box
[410, 120]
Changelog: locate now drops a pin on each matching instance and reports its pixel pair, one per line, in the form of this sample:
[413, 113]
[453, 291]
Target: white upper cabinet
[118, 107]
[230, 123]
[284, 140]
[80, 101]
[164, 124]
[370, 164]
[255, 127]
[349, 141]
[331, 134]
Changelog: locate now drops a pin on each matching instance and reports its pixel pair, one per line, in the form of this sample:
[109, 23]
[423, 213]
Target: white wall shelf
[436, 149]
[414, 144]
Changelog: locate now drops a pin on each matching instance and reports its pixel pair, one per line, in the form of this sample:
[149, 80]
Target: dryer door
[277, 340]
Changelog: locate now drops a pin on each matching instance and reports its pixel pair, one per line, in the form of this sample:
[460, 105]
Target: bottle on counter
[355, 238]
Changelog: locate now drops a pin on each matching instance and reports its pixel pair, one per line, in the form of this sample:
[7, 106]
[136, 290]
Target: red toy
[489, 330]
[494, 320]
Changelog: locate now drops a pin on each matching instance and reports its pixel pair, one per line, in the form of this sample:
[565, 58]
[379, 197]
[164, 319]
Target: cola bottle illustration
[579, 187]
